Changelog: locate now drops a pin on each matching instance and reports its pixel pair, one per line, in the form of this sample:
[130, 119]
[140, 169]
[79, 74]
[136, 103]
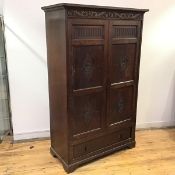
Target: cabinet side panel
[56, 55]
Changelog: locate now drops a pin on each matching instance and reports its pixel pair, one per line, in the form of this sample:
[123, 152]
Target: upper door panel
[122, 62]
[123, 39]
[123, 36]
[88, 66]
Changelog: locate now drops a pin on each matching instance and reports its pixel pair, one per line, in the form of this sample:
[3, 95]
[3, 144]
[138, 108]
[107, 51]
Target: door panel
[121, 108]
[87, 113]
[88, 66]
[123, 60]
[88, 76]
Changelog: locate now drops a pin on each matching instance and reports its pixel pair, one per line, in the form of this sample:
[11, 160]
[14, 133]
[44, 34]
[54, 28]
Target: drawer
[101, 142]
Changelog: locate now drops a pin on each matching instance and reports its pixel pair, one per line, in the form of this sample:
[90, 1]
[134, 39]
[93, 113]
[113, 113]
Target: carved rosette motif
[90, 13]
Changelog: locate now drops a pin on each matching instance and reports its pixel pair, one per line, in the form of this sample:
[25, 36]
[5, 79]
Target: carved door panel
[121, 104]
[123, 71]
[88, 76]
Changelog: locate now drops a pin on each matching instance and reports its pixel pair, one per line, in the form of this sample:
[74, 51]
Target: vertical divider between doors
[108, 70]
[106, 36]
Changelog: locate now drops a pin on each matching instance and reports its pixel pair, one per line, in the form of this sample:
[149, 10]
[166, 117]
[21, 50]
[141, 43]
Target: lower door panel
[87, 114]
[121, 104]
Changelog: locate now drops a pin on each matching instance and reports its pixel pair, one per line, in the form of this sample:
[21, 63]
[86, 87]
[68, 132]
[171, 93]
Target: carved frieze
[90, 13]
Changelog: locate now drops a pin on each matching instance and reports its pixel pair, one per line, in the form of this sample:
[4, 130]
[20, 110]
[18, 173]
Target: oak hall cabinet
[93, 66]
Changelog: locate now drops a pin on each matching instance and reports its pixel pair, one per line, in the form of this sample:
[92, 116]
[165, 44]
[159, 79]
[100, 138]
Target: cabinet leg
[67, 168]
[132, 145]
[70, 169]
[52, 153]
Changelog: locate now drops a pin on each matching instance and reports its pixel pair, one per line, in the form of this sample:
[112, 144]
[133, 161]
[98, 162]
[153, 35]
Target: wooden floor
[154, 155]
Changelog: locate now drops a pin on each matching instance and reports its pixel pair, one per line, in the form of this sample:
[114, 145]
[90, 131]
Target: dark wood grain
[98, 143]
[88, 66]
[121, 108]
[57, 68]
[93, 68]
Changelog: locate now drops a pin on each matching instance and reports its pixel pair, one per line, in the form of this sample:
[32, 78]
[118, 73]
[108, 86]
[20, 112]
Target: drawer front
[101, 142]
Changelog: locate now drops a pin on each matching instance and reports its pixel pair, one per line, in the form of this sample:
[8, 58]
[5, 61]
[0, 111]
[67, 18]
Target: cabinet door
[123, 71]
[87, 66]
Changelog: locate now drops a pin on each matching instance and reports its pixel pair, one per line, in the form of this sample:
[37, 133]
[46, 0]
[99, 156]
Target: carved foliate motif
[87, 113]
[103, 14]
[123, 63]
[88, 66]
[120, 104]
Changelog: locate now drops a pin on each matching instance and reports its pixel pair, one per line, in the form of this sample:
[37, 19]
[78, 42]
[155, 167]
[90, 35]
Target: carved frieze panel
[100, 13]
